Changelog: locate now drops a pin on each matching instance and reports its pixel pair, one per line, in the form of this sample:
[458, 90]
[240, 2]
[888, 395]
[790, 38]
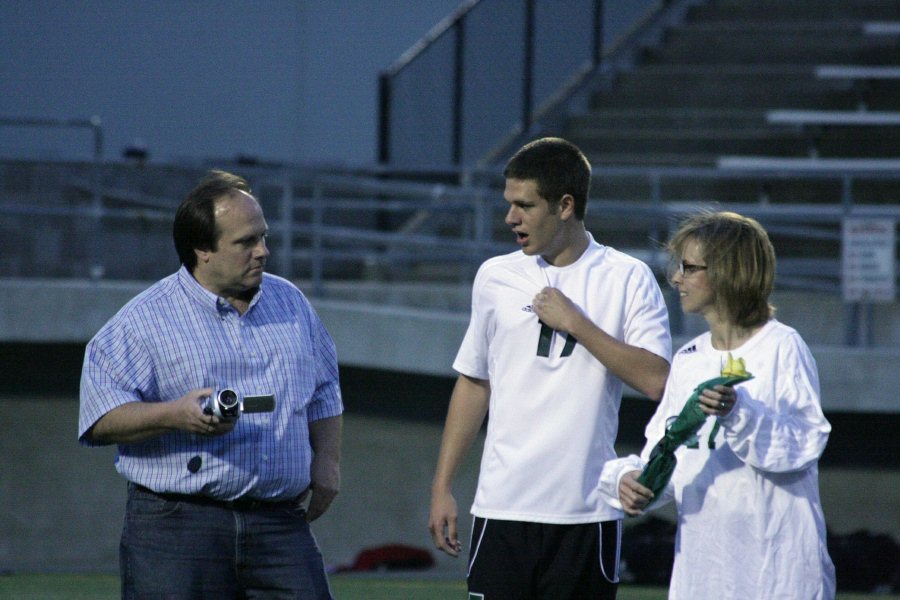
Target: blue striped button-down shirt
[175, 337]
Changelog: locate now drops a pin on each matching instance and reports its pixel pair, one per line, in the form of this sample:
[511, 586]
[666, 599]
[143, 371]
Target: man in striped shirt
[218, 508]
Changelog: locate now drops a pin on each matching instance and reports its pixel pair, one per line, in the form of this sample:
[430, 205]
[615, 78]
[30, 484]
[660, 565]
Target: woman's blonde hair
[740, 263]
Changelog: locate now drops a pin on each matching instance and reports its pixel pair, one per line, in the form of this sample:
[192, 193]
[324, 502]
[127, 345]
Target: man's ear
[202, 255]
[566, 207]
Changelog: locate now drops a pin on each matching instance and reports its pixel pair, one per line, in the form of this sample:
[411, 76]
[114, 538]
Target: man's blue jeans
[182, 550]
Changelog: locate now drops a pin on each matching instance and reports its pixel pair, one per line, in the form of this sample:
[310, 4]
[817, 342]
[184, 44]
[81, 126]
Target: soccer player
[557, 328]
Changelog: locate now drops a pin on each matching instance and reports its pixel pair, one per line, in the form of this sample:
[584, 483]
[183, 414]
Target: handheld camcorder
[228, 406]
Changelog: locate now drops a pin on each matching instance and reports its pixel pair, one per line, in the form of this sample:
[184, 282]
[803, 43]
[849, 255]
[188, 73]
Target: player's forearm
[645, 372]
[468, 408]
[454, 448]
[639, 368]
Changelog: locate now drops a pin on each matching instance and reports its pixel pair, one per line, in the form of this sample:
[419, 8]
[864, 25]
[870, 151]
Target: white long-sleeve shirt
[750, 522]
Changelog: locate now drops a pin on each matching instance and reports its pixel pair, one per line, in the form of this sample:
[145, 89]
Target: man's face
[236, 266]
[538, 229]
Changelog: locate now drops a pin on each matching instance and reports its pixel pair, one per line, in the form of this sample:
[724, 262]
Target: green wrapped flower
[684, 428]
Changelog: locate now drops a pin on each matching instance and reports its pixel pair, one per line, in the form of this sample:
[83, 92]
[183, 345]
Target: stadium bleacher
[707, 89]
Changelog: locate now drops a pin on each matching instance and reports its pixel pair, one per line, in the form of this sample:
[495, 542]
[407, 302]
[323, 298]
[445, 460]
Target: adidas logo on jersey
[689, 350]
[527, 309]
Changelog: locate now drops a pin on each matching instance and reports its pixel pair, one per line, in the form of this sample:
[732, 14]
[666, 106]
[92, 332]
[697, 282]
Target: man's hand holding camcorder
[138, 421]
[192, 418]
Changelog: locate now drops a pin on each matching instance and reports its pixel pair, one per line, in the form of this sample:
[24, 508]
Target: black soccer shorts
[515, 560]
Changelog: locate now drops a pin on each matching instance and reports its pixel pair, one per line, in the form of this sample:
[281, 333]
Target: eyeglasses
[685, 268]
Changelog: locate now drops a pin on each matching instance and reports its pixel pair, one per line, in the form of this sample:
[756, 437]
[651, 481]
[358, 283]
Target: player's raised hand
[556, 309]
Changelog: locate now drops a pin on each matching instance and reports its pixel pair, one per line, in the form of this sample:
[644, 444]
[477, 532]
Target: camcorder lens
[227, 404]
[228, 398]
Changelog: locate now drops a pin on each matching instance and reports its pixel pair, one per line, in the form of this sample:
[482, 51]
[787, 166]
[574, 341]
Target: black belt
[244, 503]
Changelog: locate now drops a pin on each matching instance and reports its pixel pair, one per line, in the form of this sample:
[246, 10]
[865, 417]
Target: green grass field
[345, 587]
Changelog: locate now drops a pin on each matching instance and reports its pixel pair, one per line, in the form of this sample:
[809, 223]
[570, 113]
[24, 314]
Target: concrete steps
[781, 10]
[704, 91]
[714, 141]
[745, 42]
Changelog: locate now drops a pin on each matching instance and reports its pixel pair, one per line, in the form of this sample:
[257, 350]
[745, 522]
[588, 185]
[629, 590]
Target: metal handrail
[455, 25]
[480, 205]
[617, 33]
[94, 124]
[324, 226]
[475, 206]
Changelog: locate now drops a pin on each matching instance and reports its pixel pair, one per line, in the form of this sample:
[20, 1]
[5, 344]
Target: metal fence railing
[327, 228]
[487, 73]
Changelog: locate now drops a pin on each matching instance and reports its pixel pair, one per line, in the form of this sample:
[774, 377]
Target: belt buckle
[244, 503]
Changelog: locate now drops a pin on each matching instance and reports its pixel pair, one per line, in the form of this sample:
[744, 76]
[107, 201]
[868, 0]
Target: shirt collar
[205, 298]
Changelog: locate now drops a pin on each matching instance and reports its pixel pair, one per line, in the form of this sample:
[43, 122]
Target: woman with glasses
[750, 523]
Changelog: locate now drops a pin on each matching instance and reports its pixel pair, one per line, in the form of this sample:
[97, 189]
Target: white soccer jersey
[553, 412]
[750, 523]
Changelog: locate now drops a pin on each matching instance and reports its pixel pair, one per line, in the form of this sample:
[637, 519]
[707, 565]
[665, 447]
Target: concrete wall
[62, 505]
[418, 340]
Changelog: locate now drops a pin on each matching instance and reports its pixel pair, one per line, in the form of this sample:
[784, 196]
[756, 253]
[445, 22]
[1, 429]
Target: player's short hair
[740, 263]
[195, 220]
[558, 167]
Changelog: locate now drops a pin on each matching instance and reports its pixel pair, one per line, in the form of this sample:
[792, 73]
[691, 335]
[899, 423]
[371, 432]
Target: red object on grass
[390, 557]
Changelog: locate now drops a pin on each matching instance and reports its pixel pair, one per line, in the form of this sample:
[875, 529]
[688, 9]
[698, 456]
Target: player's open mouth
[521, 237]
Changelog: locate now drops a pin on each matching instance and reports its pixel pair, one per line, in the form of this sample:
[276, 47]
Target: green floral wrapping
[659, 469]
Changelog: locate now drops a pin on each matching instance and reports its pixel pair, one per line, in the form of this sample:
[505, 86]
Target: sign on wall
[869, 260]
